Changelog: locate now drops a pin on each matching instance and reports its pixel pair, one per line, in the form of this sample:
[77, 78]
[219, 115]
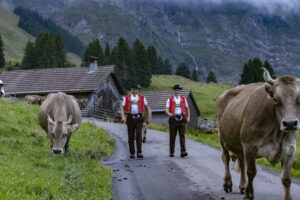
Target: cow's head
[285, 92]
[58, 132]
[2, 93]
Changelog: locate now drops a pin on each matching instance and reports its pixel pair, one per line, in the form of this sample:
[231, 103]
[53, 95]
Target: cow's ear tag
[269, 89]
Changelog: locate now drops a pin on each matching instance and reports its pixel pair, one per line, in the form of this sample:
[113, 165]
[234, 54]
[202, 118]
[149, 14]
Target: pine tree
[93, 49]
[153, 59]
[107, 55]
[121, 56]
[2, 59]
[29, 60]
[183, 70]
[45, 48]
[211, 78]
[141, 64]
[194, 75]
[167, 67]
[60, 52]
[252, 71]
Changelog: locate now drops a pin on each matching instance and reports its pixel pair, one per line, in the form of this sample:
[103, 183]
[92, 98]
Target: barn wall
[194, 114]
[159, 118]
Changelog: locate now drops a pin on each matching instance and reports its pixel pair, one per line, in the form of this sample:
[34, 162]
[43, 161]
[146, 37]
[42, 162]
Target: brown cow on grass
[260, 120]
[35, 99]
[59, 116]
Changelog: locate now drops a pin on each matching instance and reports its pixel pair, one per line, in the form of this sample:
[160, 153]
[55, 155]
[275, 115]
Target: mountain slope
[15, 38]
[217, 37]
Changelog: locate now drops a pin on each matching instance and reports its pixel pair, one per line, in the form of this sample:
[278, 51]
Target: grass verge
[28, 173]
[213, 140]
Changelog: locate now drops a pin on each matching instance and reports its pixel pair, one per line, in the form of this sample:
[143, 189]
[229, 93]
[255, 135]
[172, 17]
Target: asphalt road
[198, 176]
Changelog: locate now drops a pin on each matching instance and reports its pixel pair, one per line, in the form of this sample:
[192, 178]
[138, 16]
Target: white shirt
[178, 107]
[134, 103]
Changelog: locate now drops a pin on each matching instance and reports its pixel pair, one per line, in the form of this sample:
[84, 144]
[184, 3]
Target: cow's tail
[235, 161]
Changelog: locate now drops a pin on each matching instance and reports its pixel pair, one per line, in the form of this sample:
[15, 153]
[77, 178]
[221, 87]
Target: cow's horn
[70, 119]
[49, 119]
[267, 76]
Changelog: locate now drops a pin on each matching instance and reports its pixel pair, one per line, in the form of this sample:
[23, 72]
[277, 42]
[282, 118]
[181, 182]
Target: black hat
[177, 87]
[136, 87]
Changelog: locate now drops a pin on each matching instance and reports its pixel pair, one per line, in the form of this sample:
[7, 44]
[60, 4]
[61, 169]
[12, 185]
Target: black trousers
[134, 127]
[175, 126]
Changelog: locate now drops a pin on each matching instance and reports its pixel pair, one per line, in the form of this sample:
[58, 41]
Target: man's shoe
[183, 154]
[132, 156]
[139, 155]
[171, 154]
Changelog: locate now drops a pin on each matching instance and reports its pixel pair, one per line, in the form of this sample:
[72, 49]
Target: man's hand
[188, 120]
[170, 115]
[123, 119]
[147, 121]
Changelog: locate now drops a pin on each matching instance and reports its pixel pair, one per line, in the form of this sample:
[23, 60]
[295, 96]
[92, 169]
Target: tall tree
[252, 71]
[107, 56]
[60, 52]
[2, 59]
[183, 70]
[194, 75]
[167, 67]
[153, 59]
[211, 78]
[141, 64]
[121, 56]
[29, 60]
[93, 49]
[45, 48]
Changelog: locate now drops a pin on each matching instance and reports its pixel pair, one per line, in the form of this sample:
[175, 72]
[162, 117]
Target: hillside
[15, 38]
[205, 94]
[207, 36]
[28, 173]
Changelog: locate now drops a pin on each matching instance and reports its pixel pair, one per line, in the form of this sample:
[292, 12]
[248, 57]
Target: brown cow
[59, 116]
[34, 99]
[260, 120]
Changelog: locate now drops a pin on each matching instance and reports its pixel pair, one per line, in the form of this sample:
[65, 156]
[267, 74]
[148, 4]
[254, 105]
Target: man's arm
[168, 112]
[188, 119]
[123, 114]
[148, 114]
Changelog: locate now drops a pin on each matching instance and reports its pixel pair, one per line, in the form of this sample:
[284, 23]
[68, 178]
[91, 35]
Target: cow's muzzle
[57, 151]
[289, 125]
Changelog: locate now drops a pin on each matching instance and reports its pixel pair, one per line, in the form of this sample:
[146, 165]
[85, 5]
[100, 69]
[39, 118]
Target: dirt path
[199, 176]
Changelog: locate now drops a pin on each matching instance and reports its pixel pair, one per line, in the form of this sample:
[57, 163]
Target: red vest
[140, 104]
[173, 105]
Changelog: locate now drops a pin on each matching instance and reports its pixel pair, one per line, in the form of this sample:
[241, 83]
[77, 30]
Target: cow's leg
[227, 185]
[67, 144]
[241, 163]
[250, 156]
[287, 163]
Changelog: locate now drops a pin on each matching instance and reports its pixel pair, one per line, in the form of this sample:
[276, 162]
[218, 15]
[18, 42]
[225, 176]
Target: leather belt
[135, 116]
[178, 117]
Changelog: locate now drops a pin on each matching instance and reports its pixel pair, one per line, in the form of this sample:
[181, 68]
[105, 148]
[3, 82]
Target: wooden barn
[157, 102]
[99, 87]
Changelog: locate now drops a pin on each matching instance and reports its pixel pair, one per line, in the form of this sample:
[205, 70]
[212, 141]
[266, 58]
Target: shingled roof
[73, 79]
[157, 100]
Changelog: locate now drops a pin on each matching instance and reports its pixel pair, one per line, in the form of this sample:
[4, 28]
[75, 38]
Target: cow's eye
[277, 102]
[65, 135]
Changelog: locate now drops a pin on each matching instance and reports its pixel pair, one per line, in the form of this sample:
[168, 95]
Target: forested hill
[218, 37]
[33, 23]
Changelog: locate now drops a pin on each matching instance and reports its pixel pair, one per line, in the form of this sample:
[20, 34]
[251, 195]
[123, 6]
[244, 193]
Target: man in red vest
[178, 111]
[134, 106]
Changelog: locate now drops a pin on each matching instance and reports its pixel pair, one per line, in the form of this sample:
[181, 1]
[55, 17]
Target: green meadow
[27, 172]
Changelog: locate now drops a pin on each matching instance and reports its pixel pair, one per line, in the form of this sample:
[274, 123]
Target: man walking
[178, 111]
[134, 105]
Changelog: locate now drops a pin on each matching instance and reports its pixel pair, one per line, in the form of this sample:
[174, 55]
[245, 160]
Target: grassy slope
[15, 38]
[206, 95]
[28, 173]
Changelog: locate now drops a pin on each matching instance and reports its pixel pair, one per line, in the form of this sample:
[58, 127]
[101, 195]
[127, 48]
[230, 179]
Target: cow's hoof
[242, 190]
[227, 188]
[248, 198]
